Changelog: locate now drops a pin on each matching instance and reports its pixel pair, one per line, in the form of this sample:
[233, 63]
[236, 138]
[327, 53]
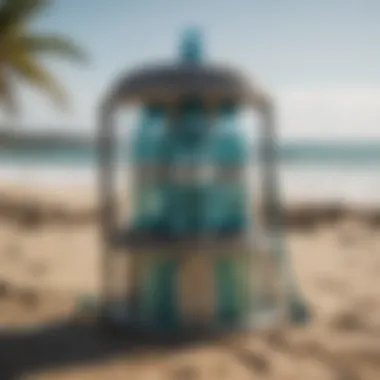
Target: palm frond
[14, 12]
[20, 51]
[31, 71]
[53, 45]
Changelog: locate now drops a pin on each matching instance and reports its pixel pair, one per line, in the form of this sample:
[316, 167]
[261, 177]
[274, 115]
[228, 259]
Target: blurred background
[319, 60]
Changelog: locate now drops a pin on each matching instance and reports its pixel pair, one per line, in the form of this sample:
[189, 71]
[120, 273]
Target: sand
[46, 266]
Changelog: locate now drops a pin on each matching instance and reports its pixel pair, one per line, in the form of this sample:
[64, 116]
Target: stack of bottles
[190, 173]
[189, 164]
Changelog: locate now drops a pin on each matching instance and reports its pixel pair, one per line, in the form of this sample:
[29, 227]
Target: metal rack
[168, 85]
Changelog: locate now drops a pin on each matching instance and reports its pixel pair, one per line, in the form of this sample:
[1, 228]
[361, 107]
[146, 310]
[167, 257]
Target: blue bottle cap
[191, 48]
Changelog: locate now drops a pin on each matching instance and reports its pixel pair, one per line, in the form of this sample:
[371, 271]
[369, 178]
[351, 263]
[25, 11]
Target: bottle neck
[191, 49]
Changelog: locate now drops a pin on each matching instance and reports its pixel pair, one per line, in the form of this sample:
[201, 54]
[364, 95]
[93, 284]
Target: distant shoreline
[44, 142]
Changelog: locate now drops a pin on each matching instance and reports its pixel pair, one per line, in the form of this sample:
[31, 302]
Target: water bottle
[147, 200]
[229, 199]
[184, 189]
[228, 211]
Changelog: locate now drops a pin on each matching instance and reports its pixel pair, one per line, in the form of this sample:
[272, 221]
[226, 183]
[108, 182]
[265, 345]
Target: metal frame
[106, 143]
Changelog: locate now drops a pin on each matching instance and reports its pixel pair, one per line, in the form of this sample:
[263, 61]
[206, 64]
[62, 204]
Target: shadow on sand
[66, 344]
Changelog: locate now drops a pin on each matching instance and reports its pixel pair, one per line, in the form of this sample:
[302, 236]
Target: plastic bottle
[229, 199]
[147, 200]
[184, 193]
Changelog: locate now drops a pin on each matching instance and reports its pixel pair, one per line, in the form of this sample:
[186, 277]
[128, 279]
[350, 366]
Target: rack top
[189, 77]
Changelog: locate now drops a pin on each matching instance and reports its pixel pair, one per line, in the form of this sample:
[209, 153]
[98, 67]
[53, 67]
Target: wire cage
[191, 258]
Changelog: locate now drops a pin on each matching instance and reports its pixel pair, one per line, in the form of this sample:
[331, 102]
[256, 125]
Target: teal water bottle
[229, 200]
[184, 199]
[229, 210]
[145, 153]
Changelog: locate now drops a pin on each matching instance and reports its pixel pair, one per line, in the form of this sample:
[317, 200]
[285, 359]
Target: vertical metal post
[105, 155]
[270, 187]
[272, 211]
[295, 308]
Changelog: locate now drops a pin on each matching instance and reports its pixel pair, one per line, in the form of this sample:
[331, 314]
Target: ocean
[308, 171]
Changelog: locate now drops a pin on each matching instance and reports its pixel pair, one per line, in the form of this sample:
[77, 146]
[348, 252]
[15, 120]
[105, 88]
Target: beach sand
[44, 267]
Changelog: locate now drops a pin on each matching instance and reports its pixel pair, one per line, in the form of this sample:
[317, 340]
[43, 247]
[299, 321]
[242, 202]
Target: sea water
[308, 171]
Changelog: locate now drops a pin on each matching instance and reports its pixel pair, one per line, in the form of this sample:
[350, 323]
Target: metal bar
[271, 202]
[106, 142]
[292, 301]
[272, 211]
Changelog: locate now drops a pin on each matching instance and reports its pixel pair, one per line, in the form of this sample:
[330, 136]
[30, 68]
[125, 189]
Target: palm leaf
[15, 12]
[52, 45]
[27, 68]
[20, 50]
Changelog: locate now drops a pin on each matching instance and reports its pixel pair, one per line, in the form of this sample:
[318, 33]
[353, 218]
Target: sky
[319, 59]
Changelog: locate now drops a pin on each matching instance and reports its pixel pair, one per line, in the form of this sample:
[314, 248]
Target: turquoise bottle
[184, 192]
[229, 200]
[228, 212]
[145, 153]
[157, 306]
